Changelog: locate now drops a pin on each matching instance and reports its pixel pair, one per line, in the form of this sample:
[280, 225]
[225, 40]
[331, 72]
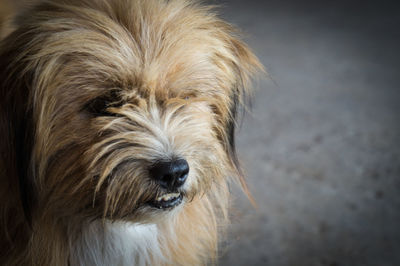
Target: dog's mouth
[167, 201]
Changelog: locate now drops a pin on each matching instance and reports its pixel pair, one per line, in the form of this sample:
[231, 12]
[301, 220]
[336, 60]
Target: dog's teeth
[167, 197]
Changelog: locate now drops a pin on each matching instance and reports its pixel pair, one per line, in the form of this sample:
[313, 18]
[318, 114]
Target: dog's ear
[16, 129]
[244, 65]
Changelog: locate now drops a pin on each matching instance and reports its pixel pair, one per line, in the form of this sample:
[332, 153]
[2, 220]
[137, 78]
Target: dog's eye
[188, 96]
[100, 105]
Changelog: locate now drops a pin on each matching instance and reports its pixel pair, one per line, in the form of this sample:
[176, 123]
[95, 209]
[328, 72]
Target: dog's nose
[170, 174]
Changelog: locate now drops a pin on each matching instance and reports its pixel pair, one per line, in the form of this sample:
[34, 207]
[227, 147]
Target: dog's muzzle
[170, 175]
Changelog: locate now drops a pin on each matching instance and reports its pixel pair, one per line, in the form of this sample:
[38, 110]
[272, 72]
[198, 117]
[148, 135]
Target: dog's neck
[117, 243]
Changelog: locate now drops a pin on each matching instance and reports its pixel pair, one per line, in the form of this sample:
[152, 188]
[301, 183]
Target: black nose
[170, 174]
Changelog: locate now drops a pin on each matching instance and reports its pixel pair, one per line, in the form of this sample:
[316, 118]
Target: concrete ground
[321, 147]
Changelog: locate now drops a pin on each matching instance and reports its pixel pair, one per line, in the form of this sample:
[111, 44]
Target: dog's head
[120, 109]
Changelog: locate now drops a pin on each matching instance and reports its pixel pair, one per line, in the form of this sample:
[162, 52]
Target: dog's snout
[170, 174]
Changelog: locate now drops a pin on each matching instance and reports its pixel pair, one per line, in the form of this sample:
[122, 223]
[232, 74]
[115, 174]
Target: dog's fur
[94, 92]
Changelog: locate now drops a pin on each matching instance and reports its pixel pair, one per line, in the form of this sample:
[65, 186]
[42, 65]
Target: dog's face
[122, 114]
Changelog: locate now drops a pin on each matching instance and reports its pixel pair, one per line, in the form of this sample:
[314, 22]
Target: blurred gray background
[321, 147]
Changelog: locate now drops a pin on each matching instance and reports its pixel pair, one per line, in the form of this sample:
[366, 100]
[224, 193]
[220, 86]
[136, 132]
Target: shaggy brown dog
[117, 122]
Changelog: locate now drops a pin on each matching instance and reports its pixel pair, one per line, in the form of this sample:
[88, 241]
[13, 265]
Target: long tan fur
[92, 93]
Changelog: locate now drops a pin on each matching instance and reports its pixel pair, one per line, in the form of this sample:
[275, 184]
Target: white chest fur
[116, 243]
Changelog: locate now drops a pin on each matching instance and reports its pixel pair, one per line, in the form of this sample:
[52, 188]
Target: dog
[117, 120]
